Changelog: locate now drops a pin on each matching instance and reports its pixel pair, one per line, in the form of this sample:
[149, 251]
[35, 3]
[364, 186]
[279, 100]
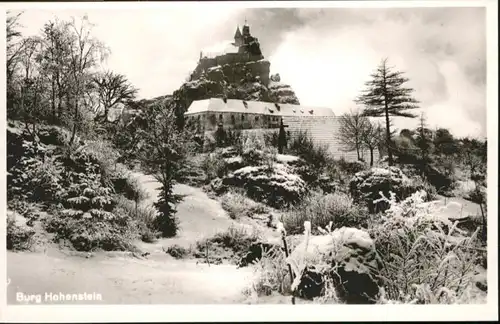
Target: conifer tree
[385, 96]
[281, 138]
[424, 144]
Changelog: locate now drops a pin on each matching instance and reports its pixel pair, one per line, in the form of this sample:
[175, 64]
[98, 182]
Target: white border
[182, 313]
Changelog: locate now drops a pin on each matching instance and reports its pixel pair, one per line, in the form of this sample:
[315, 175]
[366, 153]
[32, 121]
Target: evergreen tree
[385, 96]
[424, 144]
[282, 141]
[220, 136]
[164, 152]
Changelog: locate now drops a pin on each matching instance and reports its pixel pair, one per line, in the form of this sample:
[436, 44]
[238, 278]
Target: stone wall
[226, 61]
[323, 130]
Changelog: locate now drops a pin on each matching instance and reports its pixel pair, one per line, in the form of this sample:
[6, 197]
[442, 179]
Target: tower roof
[237, 34]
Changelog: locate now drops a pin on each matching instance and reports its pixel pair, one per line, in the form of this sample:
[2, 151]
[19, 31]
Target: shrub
[177, 251]
[321, 209]
[142, 217]
[426, 259]
[214, 166]
[92, 231]
[129, 187]
[238, 239]
[209, 143]
[253, 146]
[303, 146]
[37, 176]
[87, 218]
[232, 243]
[271, 139]
[238, 205]
[106, 156]
[277, 188]
[19, 237]
[414, 184]
[271, 275]
[365, 186]
[350, 167]
[53, 135]
[233, 137]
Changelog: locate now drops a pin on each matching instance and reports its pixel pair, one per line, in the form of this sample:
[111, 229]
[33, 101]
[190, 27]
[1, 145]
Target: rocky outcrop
[366, 186]
[282, 93]
[276, 187]
[350, 262]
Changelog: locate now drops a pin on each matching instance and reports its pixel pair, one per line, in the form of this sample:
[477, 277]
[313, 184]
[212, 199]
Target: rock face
[352, 264]
[283, 93]
[366, 186]
[276, 187]
[243, 75]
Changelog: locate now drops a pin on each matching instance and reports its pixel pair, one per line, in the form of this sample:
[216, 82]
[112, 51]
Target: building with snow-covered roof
[241, 114]
[320, 123]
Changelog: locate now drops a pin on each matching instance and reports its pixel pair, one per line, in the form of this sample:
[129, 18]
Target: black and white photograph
[246, 153]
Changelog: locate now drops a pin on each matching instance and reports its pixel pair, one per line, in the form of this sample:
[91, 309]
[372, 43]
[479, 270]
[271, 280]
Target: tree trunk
[483, 232]
[53, 100]
[371, 156]
[388, 133]
[75, 124]
[357, 151]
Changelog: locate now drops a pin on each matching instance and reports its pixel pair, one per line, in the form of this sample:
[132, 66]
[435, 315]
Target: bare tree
[385, 96]
[350, 130]
[371, 136]
[30, 86]
[86, 53]
[14, 45]
[112, 89]
[58, 40]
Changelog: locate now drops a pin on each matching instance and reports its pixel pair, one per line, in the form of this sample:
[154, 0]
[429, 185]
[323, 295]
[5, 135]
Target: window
[242, 117]
[256, 118]
[233, 120]
[221, 117]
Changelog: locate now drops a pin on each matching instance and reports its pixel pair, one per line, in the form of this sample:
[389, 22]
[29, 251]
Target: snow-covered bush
[426, 259]
[366, 186]
[19, 237]
[277, 187]
[322, 209]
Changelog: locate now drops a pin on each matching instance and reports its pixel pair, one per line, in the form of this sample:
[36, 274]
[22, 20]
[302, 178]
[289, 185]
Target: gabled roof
[256, 107]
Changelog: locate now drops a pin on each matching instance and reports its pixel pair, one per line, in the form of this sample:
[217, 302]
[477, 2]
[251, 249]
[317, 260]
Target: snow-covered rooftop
[221, 48]
[256, 107]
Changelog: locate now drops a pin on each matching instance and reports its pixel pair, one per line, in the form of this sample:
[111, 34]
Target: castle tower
[246, 29]
[238, 38]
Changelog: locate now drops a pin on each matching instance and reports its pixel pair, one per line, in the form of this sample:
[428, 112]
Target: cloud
[326, 54]
[332, 52]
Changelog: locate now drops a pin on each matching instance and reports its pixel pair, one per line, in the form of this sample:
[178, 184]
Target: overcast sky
[324, 54]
